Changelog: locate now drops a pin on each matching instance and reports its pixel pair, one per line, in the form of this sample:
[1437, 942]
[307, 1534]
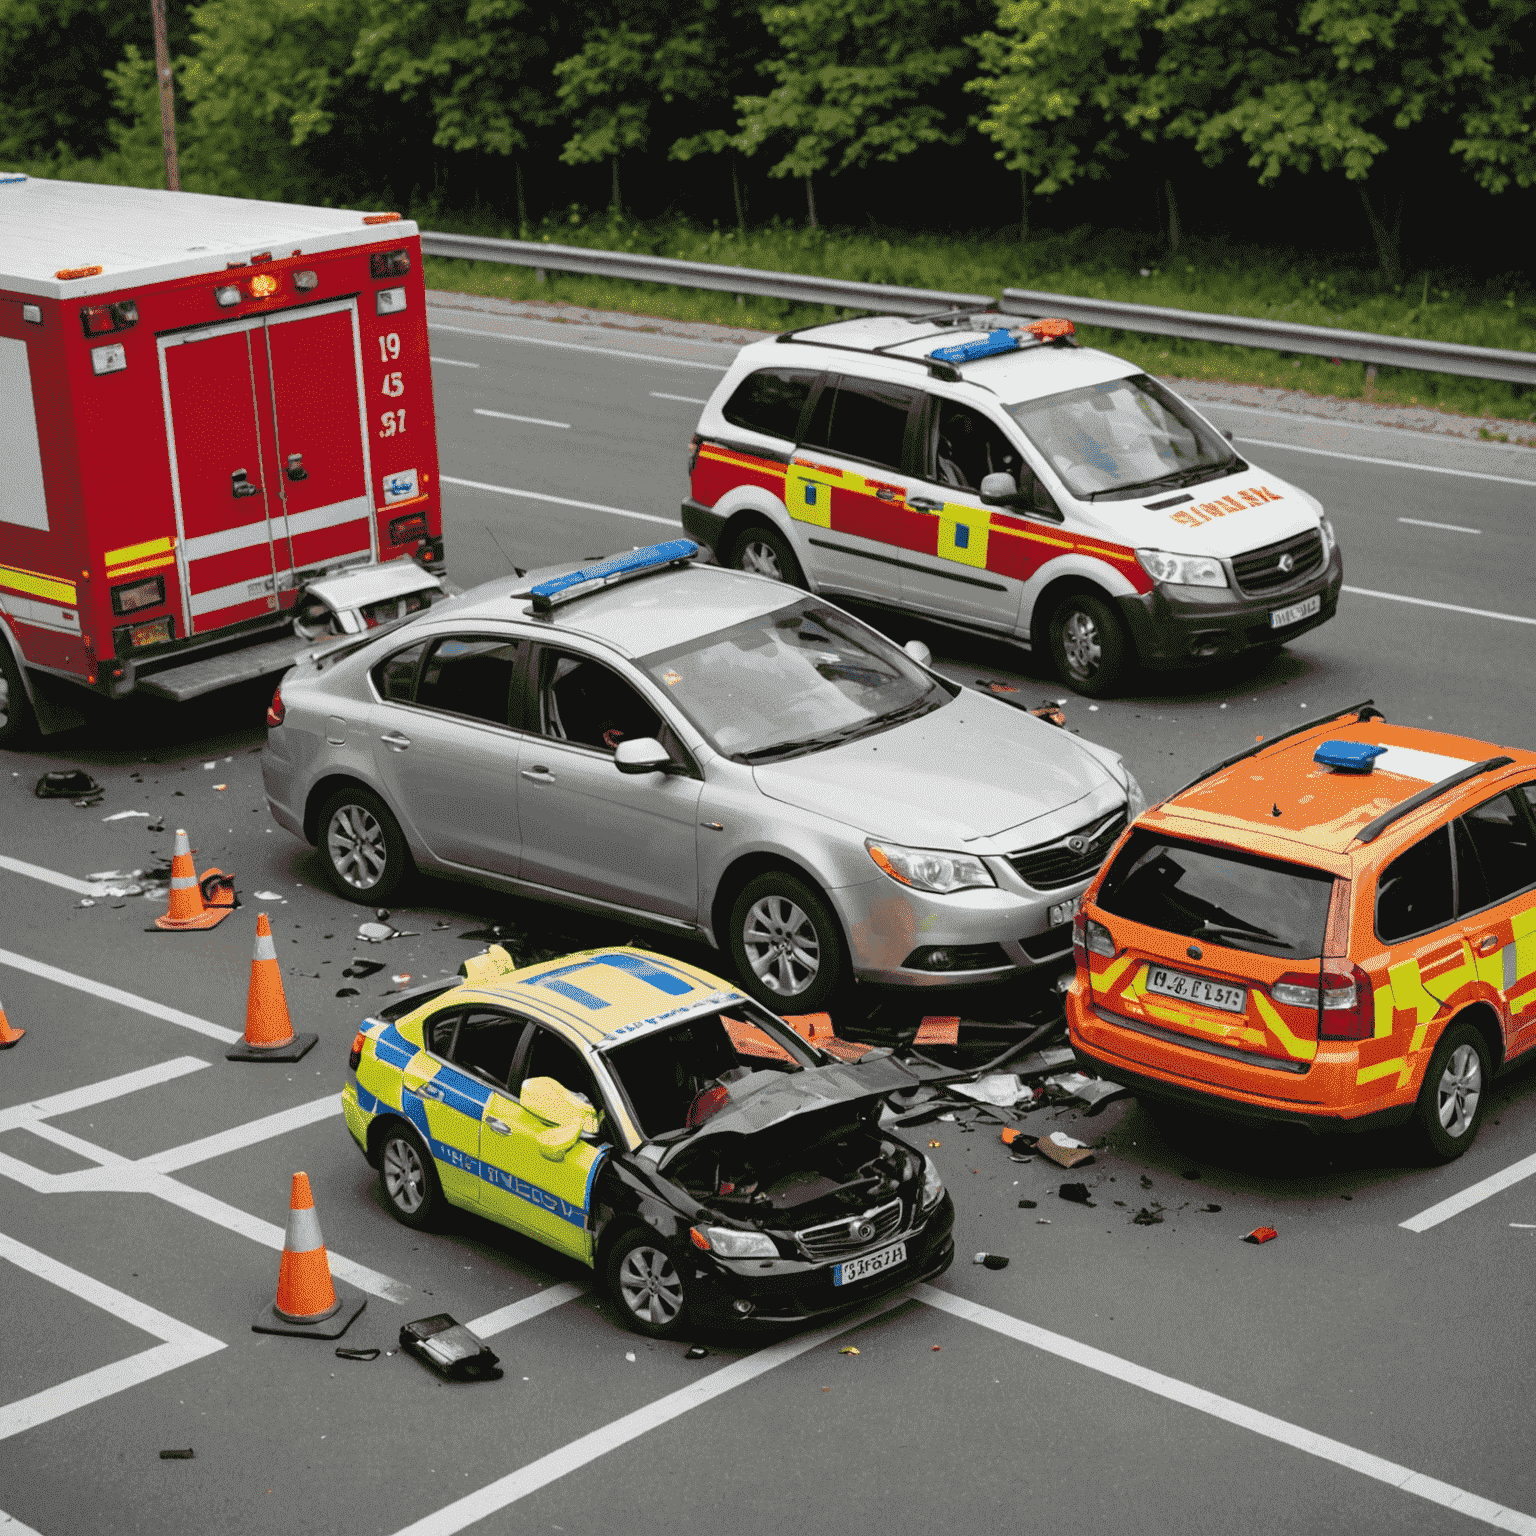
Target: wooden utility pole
[167, 105]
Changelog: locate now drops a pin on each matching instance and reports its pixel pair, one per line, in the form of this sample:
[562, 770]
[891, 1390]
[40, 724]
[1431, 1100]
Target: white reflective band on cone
[184, 883]
[266, 949]
[303, 1231]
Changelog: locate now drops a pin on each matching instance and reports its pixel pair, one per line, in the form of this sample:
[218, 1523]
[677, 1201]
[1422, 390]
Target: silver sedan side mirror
[643, 755]
[919, 653]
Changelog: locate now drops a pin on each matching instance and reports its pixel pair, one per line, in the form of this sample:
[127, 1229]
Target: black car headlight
[732, 1243]
[933, 1184]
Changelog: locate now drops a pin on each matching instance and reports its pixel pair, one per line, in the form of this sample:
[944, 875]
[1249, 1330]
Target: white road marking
[656, 394]
[1473, 1194]
[1405, 1479]
[588, 1448]
[561, 501]
[523, 1311]
[1419, 522]
[51, 876]
[579, 346]
[117, 995]
[455, 362]
[98, 1093]
[179, 1345]
[11, 1526]
[1361, 458]
[1424, 602]
[532, 421]
[247, 1135]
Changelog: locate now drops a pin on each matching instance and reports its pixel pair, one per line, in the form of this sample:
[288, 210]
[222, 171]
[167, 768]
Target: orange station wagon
[1334, 928]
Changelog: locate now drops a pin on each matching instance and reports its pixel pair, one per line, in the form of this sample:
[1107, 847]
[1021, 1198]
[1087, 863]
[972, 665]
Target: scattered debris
[1146, 1183]
[1076, 1193]
[695, 1351]
[1261, 1235]
[1210, 1210]
[1038, 1063]
[847, 1349]
[185, 1455]
[343, 1353]
[935, 1030]
[991, 1260]
[378, 933]
[1010, 1134]
[86, 901]
[935, 1143]
[221, 786]
[399, 980]
[361, 968]
[629, 1355]
[1065, 1150]
[936, 1348]
[347, 991]
[1148, 1216]
[1028, 1205]
[65, 784]
[450, 1349]
[270, 896]
[1000, 1088]
[126, 815]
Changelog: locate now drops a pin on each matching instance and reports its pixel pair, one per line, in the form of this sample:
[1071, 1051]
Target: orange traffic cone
[269, 1033]
[186, 908]
[8, 1036]
[306, 1302]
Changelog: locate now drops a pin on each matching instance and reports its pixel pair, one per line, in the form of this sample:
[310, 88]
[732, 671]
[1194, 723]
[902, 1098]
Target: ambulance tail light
[406, 530]
[264, 285]
[128, 638]
[104, 319]
[276, 711]
[693, 452]
[226, 294]
[134, 595]
[355, 1055]
[306, 280]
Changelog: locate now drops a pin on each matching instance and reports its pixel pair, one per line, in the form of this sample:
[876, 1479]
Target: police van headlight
[1182, 570]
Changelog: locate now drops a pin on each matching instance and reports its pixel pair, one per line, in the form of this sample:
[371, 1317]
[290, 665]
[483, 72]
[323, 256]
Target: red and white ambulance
[207, 405]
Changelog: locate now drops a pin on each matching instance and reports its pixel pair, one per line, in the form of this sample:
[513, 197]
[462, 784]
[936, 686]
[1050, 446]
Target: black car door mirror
[643, 755]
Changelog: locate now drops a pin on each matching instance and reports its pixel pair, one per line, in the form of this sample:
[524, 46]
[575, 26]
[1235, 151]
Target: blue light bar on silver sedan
[592, 578]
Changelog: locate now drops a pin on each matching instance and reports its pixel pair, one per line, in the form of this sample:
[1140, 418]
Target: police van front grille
[1052, 865]
[1263, 570]
[838, 1239]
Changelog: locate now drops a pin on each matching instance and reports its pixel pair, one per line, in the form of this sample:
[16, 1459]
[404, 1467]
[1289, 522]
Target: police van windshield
[1114, 440]
[793, 681]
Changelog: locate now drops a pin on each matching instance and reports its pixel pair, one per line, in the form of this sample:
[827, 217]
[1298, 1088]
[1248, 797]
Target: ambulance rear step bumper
[210, 673]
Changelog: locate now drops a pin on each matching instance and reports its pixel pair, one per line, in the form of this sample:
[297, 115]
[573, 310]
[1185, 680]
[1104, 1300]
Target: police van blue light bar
[1348, 756]
[968, 351]
[638, 562]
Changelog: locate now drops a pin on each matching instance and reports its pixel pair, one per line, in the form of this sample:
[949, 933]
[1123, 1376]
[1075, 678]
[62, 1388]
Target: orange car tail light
[355, 1055]
[1348, 1008]
[1091, 937]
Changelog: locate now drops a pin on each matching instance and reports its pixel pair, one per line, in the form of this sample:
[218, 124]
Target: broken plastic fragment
[936, 1030]
[269, 896]
[376, 933]
[629, 1355]
[1148, 1216]
[347, 991]
[695, 1352]
[1000, 1088]
[1261, 1235]
[343, 1353]
[126, 815]
[847, 1349]
[401, 979]
[185, 1455]
[1210, 1210]
[1076, 1193]
[935, 1143]
[991, 1260]
[65, 784]
[1028, 1205]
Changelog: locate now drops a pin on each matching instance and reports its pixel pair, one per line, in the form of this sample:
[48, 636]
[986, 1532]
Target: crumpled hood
[1229, 516]
[974, 768]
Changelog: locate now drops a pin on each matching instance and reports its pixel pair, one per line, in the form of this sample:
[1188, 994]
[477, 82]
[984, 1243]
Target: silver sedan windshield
[791, 681]
[1125, 436]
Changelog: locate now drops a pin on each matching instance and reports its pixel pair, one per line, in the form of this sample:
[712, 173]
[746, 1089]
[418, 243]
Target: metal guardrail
[1144, 319]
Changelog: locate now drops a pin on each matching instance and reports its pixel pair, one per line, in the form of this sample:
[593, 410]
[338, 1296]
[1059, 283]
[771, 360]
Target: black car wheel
[362, 846]
[408, 1177]
[1088, 644]
[787, 945]
[1455, 1091]
[646, 1283]
[17, 722]
[765, 551]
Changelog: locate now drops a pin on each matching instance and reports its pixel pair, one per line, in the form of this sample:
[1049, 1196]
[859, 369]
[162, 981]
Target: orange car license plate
[1196, 989]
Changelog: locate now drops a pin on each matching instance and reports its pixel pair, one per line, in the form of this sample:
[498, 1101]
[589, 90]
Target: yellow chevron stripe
[54, 588]
[1111, 973]
[130, 552]
[1380, 1069]
[1301, 1050]
[143, 565]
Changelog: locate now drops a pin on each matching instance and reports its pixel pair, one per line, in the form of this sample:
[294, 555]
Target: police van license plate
[870, 1264]
[1280, 618]
[1196, 989]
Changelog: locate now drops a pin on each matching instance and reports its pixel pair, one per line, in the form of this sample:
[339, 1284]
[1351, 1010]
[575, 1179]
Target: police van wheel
[764, 551]
[362, 846]
[647, 1284]
[408, 1177]
[1455, 1092]
[18, 725]
[1088, 644]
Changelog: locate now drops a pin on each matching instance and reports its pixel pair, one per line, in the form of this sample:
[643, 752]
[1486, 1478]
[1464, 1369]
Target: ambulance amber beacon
[648, 1120]
[1334, 928]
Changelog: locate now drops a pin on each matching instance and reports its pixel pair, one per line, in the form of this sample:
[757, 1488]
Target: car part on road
[647, 1284]
[309, 1303]
[764, 551]
[1451, 1102]
[361, 846]
[269, 1033]
[455, 1352]
[786, 943]
[1261, 1235]
[991, 1260]
[1064, 1150]
[65, 783]
[1087, 642]
[408, 1177]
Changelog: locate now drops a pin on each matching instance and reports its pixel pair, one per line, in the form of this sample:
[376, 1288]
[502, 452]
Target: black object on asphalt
[360, 968]
[65, 784]
[450, 1349]
[347, 991]
[1028, 1205]
[185, 1455]
[1210, 1209]
[991, 1260]
[696, 1352]
[343, 1353]
[1076, 1193]
[1148, 1216]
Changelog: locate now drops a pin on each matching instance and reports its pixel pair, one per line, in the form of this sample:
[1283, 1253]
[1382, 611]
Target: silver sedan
[705, 751]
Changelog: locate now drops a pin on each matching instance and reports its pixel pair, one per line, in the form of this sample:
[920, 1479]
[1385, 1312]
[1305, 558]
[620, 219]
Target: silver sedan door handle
[923, 504]
[499, 1126]
[395, 741]
[539, 775]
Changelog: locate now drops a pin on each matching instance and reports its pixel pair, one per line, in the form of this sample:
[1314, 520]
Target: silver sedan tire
[362, 846]
[787, 945]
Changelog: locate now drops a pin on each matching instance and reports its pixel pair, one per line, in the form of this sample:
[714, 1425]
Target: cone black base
[295, 1048]
[352, 1302]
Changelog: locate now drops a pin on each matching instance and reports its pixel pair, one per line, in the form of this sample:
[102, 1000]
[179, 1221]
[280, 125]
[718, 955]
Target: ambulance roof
[138, 234]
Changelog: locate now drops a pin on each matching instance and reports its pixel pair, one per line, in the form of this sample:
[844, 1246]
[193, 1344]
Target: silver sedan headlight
[1182, 570]
[1135, 795]
[928, 869]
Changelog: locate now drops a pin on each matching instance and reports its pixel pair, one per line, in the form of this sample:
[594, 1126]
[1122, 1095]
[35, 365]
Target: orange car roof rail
[1362, 712]
[1373, 829]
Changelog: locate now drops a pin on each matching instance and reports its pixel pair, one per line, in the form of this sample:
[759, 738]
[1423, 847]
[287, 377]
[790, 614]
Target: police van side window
[1416, 891]
[395, 677]
[1495, 854]
[862, 419]
[770, 401]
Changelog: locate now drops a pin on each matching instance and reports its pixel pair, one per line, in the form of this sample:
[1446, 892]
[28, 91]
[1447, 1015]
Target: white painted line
[1360, 458]
[117, 995]
[1405, 1479]
[561, 501]
[579, 1453]
[578, 346]
[455, 362]
[532, 421]
[11, 1526]
[99, 1093]
[51, 876]
[656, 394]
[1419, 522]
[1424, 602]
[523, 1311]
[1473, 1194]
[241, 1136]
[179, 1344]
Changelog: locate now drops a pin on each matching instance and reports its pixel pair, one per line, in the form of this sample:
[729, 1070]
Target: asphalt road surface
[1356, 1374]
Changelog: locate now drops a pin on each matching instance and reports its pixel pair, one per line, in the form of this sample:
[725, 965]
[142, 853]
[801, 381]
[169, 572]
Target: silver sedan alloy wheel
[650, 1285]
[758, 557]
[404, 1177]
[355, 840]
[1459, 1089]
[1082, 644]
[782, 945]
